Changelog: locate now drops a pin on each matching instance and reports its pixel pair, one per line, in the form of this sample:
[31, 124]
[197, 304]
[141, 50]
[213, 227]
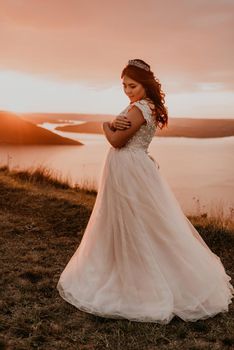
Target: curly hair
[152, 88]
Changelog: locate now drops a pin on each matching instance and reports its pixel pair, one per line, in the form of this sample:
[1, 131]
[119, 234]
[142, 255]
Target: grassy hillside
[42, 220]
[177, 127]
[16, 131]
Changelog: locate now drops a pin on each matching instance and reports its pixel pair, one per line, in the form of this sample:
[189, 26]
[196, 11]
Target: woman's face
[134, 90]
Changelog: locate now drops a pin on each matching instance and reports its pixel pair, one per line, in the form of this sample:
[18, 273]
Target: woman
[140, 258]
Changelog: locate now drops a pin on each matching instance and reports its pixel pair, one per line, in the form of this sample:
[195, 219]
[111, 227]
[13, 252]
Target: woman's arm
[108, 131]
[111, 125]
[120, 123]
[119, 138]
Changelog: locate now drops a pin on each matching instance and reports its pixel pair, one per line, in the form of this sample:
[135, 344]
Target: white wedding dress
[140, 258]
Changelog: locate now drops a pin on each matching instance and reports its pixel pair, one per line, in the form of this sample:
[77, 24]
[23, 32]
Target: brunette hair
[152, 88]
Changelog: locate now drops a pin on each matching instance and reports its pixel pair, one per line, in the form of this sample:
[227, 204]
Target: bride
[140, 257]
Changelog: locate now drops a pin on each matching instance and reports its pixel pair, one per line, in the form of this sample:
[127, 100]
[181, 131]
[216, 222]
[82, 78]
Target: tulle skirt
[140, 258]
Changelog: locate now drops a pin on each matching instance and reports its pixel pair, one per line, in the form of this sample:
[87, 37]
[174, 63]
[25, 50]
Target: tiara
[138, 64]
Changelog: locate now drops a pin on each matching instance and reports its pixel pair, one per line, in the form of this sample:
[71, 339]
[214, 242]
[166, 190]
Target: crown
[138, 64]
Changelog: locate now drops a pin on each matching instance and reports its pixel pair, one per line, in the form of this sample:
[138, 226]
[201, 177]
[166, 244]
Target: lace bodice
[142, 138]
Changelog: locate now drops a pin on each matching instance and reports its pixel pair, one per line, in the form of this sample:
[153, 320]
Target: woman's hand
[120, 123]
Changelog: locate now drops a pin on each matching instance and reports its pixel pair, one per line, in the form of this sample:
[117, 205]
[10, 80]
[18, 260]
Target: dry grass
[45, 176]
[41, 224]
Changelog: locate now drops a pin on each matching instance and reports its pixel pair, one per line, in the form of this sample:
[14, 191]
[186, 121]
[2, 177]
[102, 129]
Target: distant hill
[184, 127]
[39, 118]
[16, 131]
[89, 128]
[198, 128]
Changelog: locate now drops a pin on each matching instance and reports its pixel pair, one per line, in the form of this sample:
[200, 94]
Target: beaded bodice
[142, 138]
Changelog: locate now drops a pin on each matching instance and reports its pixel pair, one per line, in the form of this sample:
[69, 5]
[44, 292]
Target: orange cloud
[187, 43]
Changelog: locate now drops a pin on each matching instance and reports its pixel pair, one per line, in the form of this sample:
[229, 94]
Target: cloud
[187, 43]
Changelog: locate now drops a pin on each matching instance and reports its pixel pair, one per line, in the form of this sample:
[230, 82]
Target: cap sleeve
[144, 108]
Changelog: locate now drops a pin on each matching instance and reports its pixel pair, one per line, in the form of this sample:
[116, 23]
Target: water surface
[200, 172]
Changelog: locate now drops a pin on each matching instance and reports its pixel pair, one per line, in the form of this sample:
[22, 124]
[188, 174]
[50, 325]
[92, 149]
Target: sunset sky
[67, 55]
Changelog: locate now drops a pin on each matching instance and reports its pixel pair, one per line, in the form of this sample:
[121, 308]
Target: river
[200, 172]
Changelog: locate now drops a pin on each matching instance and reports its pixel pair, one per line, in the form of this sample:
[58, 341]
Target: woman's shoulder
[145, 103]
